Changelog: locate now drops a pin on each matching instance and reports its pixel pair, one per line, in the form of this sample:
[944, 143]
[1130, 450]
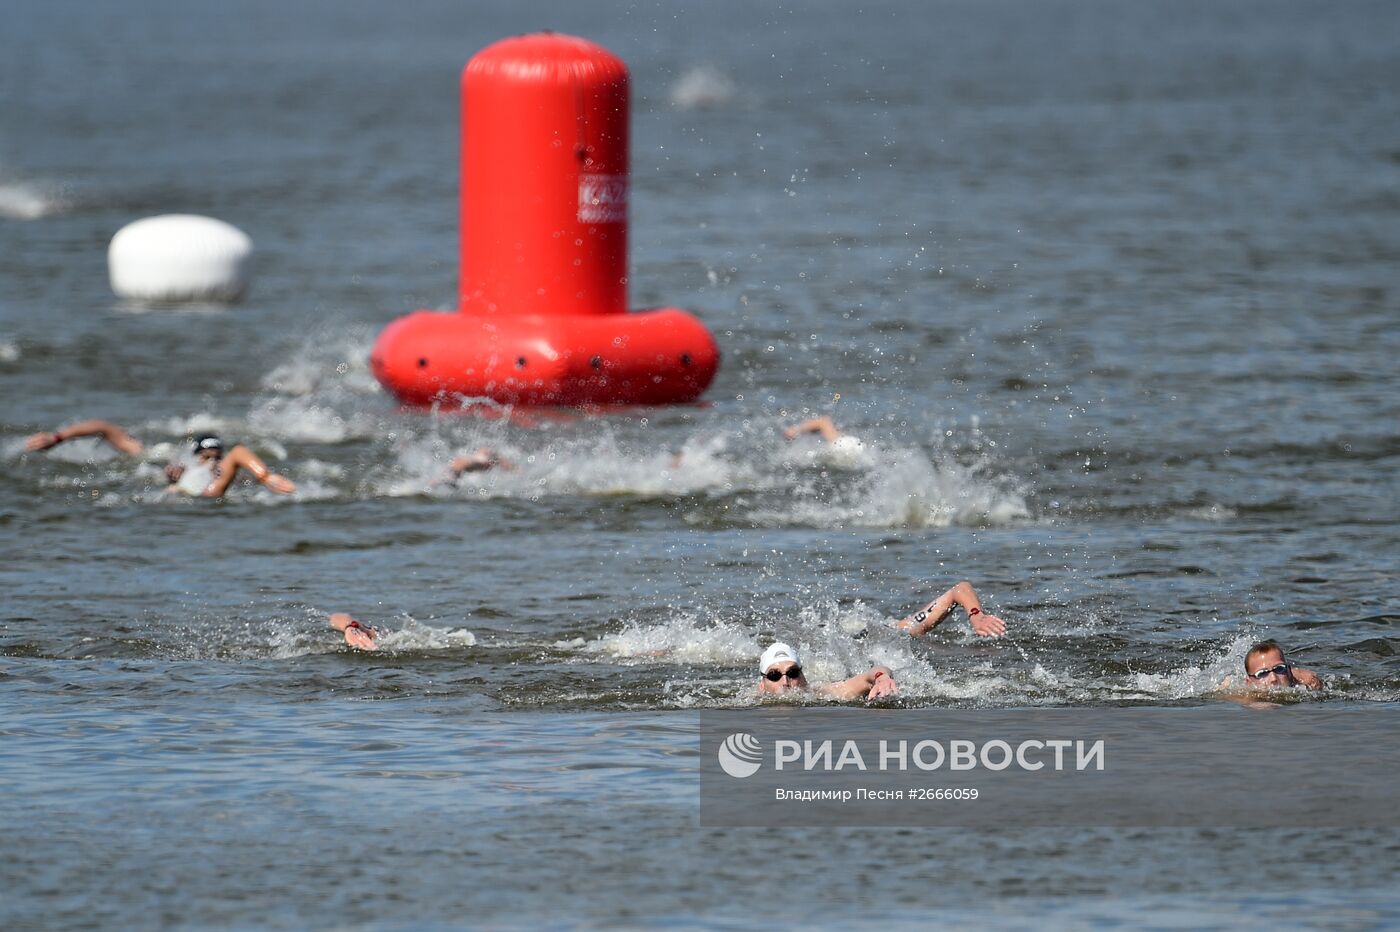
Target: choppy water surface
[1108, 290]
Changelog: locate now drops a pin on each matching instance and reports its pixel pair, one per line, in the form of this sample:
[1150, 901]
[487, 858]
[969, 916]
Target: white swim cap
[776, 653]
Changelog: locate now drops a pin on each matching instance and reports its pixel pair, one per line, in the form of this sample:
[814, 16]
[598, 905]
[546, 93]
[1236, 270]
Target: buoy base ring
[661, 356]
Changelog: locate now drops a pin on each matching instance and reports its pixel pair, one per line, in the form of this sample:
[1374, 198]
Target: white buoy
[179, 257]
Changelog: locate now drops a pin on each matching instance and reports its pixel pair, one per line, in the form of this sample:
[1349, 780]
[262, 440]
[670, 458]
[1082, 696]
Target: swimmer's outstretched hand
[43, 440]
[279, 483]
[358, 636]
[987, 626]
[884, 687]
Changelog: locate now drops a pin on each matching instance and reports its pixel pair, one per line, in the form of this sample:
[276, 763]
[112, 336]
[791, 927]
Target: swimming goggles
[792, 673]
[1282, 670]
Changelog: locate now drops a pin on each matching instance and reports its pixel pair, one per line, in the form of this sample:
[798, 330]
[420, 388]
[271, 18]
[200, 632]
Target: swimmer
[780, 670]
[839, 449]
[822, 426]
[214, 470]
[927, 618]
[209, 476]
[1265, 667]
[358, 635]
[479, 460]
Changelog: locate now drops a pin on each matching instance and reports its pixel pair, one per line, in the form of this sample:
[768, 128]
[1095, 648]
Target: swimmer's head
[781, 670]
[1265, 665]
[208, 446]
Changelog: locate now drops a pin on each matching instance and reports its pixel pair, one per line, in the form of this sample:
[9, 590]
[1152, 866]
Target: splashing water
[21, 201]
[328, 365]
[305, 420]
[410, 634]
[904, 488]
[686, 639]
[700, 87]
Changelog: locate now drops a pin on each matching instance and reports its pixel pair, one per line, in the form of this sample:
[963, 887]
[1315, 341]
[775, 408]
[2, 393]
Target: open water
[1110, 291]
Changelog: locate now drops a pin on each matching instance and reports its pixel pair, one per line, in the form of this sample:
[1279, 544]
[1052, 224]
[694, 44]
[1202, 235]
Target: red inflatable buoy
[542, 300]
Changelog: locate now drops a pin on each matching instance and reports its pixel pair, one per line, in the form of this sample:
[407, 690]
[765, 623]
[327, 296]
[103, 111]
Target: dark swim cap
[207, 442]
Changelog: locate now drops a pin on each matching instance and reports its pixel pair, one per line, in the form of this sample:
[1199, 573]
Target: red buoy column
[544, 178]
[542, 303]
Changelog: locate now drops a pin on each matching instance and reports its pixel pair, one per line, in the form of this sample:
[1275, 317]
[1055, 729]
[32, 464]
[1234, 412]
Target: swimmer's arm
[476, 461]
[1248, 700]
[119, 439]
[1241, 694]
[479, 461]
[818, 425]
[240, 457]
[357, 635]
[874, 683]
[227, 473]
[1307, 678]
[924, 620]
